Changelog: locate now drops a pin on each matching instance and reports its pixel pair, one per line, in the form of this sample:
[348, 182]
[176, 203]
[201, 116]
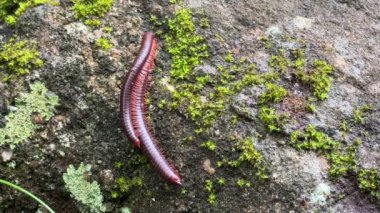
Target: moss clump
[209, 186]
[11, 10]
[271, 119]
[85, 192]
[185, 46]
[298, 60]
[343, 161]
[221, 181]
[321, 80]
[125, 185]
[360, 112]
[210, 145]
[229, 58]
[342, 158]
[104, 44]
[88, 8]
[278, 62]
[274, 93]
[19, 123]
[93, 22]
[369, 181]
[312, 139]
[19, 58]
[243, 183]
[250, 155]
[107, 29]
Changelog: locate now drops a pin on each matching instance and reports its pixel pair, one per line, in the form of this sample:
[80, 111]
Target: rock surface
[86, 127]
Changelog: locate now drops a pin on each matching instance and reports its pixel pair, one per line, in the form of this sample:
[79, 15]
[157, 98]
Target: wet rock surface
[86, 125]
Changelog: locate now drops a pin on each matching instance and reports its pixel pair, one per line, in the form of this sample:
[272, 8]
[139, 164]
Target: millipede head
[175, 180]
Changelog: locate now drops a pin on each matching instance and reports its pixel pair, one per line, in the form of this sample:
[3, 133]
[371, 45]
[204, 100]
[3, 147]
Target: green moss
[185, 46]
[210, 145]
[19, 125]
[369, 181]
[104, 43]
[278, 62]
[85, 192]
[274, 93]
[204, 23]
[229, 58]
[360, 112]
[125, 185]
[271, 119]
[250, 155]
[19, 57]
[107, 29]
[298, 59]
[11, 10]
[312, 139]
[209, 186]
[221, 181]
[321, 80]
[89, 8]
[343, 161]
[311, 107]
[243, 183]
[93, 22]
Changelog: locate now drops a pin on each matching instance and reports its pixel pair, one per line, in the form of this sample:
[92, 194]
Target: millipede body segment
[140, 122]
[126, 89]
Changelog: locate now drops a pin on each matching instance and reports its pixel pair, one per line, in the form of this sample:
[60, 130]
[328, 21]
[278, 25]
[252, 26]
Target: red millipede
[126, 89]
[140, 123]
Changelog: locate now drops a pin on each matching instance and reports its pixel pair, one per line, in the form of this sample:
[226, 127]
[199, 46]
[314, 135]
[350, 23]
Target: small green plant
[274, 93]
[26, 192]
[11, 10]
[209, 185]
[85, 192]
[185, 46]
[311, 108]
[243, 183]
[298, 59]
[312, 139]
[221, 181]
[89, 8]
[271, 119]
[125, 185]
[104, 43]
[107, 29]
[210, 145]
[369, 181]
[278, 62]
[343, 161]
[19, 125]
[93, 22]
[229, 58]
[250, 155]
[360, 112]
[19, 57]
[204, 23]
[321, 80]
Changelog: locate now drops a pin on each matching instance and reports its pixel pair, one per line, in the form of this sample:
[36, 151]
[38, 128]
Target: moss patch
[104, 44]
[11, 10]
[84, 9]
[185, 46]
[369, 181]
[19, 57]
